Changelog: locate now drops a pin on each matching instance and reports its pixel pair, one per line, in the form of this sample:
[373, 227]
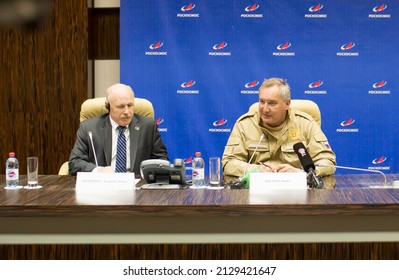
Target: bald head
[120, 98]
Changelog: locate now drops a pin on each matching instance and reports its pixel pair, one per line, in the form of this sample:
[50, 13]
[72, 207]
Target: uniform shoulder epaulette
[303, 115]
[246, 115]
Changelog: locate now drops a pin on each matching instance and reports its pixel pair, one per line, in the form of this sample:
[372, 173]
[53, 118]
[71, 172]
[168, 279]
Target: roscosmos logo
[160, 121]
[217, 50]
[219, 46]
[188, 162]
[345, 50]
[154, 47]
[188, 84]
[220, 122]
[250, 87]
[379, 160]
[315, 12]
[379, 88]
[187, 88]
[187, 11]
[380, 84]
[316, 84]
[378, 12]
[252, 84]
[251, 12]
[379, 9]
[346, 124]
[188, 7]
[377, 164]
[347, 46]
[314, 88]
[282, 50]
[217, 126]
[284, 46]
[316, 8]
[252, 8]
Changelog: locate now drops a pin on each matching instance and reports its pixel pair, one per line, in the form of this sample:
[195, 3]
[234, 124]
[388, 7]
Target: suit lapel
[107, 143]
[135, 128]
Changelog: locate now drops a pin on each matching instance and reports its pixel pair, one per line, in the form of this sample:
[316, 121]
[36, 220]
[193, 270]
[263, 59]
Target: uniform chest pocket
[262, 150]
[289, 154]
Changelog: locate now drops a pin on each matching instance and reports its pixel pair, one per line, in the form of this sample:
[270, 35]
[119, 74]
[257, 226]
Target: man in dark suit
[141, 139]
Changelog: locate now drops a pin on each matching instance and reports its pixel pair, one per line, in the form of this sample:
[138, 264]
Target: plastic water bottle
[12, 171]
[198, 171]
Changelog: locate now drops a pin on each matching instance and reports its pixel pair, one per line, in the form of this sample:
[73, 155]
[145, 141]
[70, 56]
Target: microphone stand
[354, 168]
[314, 181]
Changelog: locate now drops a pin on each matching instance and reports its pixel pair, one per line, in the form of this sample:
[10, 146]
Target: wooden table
[352, 221]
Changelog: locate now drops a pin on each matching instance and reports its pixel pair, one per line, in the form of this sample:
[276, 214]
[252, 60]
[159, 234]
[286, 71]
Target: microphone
[307, 163]
[92, 146]
[354, 168]
[244, 180]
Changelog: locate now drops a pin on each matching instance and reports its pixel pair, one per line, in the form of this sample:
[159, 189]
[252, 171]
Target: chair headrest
[96, 106]
[304, 105]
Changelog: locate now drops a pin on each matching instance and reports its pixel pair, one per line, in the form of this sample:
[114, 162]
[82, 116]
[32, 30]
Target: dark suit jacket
[145, 143]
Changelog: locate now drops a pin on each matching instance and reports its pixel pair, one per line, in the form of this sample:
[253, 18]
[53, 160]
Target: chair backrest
[96, 106]
[64, 169]
[304, 105]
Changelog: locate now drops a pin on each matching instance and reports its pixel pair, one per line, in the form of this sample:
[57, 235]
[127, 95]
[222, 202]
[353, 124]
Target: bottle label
[12, 174]
[199, 174]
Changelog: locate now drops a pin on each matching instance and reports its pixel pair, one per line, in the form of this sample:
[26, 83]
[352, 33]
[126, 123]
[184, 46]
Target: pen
[268, 166]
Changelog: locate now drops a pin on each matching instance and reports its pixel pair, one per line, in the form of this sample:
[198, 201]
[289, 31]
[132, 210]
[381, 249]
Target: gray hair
[284, 87]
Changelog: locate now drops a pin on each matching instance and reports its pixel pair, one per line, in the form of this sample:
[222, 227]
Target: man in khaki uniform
[281, 128]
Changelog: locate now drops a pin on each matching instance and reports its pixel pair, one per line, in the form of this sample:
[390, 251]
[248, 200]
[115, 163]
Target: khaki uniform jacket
[246, 134]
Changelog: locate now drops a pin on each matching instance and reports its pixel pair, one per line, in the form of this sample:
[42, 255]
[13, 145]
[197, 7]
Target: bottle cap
[11, 154]
[197, 154]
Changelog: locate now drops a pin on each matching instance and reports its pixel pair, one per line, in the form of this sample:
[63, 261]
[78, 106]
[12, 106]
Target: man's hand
[266, 167]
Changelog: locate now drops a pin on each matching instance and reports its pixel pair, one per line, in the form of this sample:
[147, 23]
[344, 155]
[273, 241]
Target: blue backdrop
[201, 64]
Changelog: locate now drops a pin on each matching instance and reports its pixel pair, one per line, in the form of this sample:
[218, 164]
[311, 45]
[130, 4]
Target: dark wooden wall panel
[44, 81]
[295, 251]
[104, 33]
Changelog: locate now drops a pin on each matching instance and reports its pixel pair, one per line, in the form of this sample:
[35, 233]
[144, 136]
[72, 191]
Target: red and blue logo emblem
[252, 84]
[348, 46]
[188, 84]
[348, 122]
[220, 46]
[379, 8]
[188, 7]
[284, 46]
[316, 84]
[380, 84]
[220, 122]
[252, 8]
[156, 45]
[379, 160]
[316, 8]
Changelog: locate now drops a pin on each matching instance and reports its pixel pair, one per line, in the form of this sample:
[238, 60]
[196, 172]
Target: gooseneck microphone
[244, 180]
[354, 168]
[92, 146]
[256, 148]
[308, 165]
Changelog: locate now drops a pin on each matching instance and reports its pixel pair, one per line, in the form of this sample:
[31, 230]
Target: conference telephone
[160, 173]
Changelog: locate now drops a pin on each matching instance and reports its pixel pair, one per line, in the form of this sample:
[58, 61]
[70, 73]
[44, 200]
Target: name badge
[277, 188]
[105, 188]
[113, 181]
[261, 182]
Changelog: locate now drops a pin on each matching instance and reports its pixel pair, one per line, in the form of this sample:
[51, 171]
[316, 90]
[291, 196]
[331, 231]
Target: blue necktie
[121, 150]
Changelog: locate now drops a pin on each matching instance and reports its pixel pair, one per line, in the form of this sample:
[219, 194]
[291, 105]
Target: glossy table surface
[58, 213]
[58, 197]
